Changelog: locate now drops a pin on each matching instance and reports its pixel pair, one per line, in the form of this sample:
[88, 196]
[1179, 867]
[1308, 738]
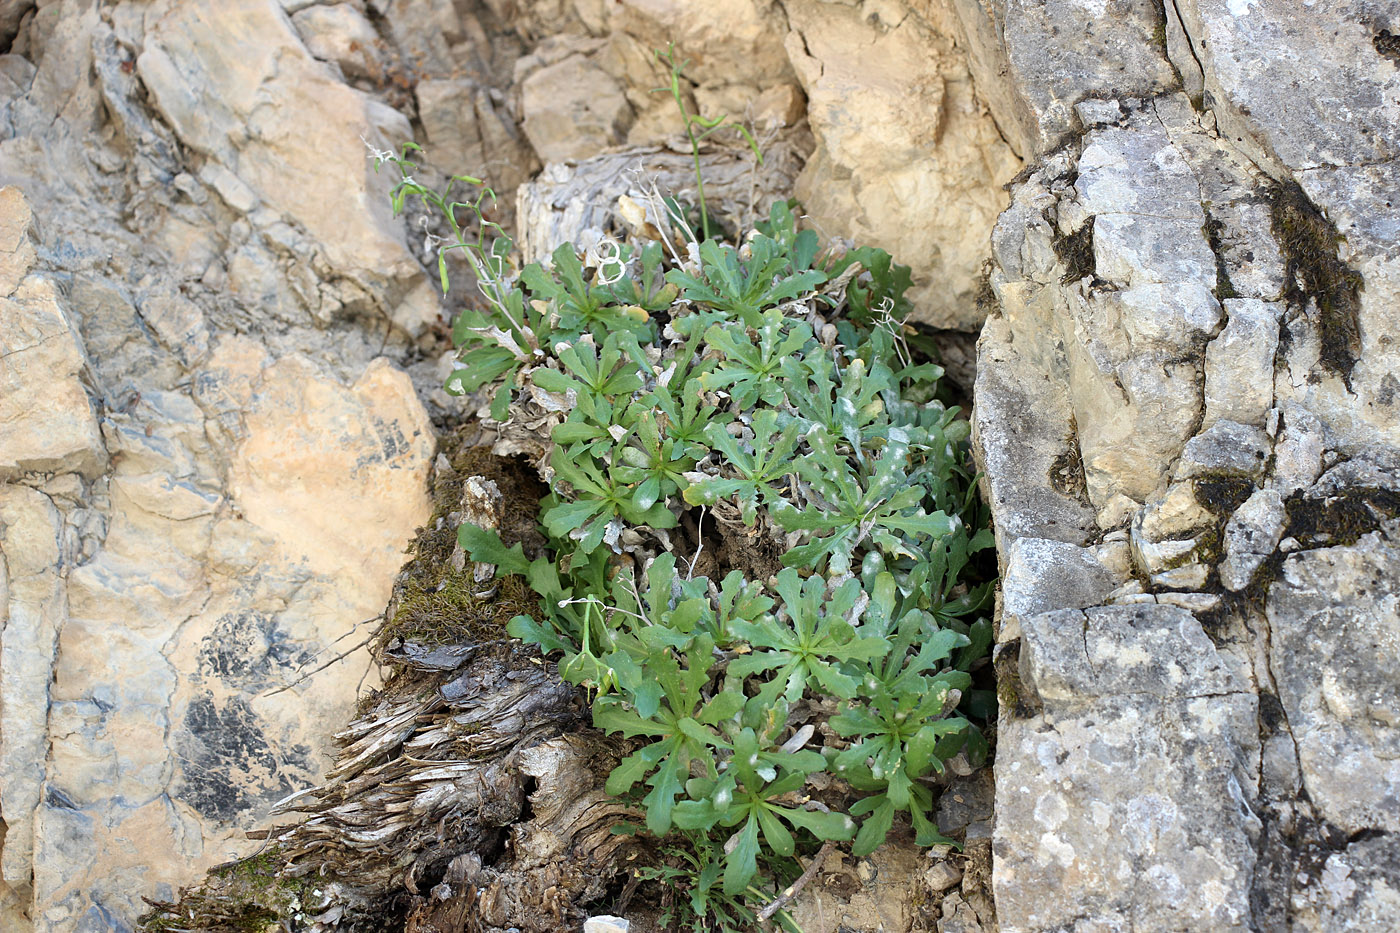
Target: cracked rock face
[1184, 417]
[1186, 400]
[208, 461]
[210, 451]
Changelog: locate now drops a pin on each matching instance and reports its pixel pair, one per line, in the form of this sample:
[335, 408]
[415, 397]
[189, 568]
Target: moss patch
[1388, 45]
[1076, 253]
[1011, 693]
[435, 604]
[1342, 519]
[1314, 273]
[1222, 494]
[1067, 469]
[247, 896]
[1213, 229]
[459, 611]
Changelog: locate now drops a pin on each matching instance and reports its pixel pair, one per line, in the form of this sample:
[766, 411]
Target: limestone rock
[733, 41]
[1061, 52]
[1250, 537]
[46, 420]
[17, 239]
[31, 612]
[1240, 363]
[147, 621]
[293, 474]
[1354, 892]
[573, 109]
[212, 76]
[1333, 614]
[1196, 291]
[1331, 121]
[907, 157]
[1225, 449]
[341, 34]
[1135, 767]
[1298, 452]
[424, 31]
[1033, 473]
[1041, 575]
[468, 132]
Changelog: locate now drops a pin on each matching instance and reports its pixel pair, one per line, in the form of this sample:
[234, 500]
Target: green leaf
[632, 769]
[568, 516]
[486, 546]
[774, 833]
[874, 829]
[825, 826]
[742, 863]
[530, 631]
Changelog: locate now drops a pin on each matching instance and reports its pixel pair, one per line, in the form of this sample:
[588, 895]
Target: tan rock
[907, 157]
[31, 610]
[330, 470]
[17, 236]
[778, 106]
[737, 41]
[341, 34]
[214, 74]
[573, 109]
[1174, 514]
[221, 591]
[46, 421]
[469, 134]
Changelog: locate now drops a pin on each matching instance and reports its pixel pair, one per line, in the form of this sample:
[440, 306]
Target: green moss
[247, 896]
[1011, 693]
[435, 604]
[458, 611]
[1076, 253]
[1387, 45]
[1222, 493]
[1314, 274]
[1213, 228]
[985, 299]
[1341, 519]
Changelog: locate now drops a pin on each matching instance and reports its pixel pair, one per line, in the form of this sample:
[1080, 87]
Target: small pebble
[606, 924]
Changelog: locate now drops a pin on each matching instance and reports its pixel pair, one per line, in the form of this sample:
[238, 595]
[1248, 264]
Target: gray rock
[1068, 655]
[1113, 265]
[1225, 449]
[1251, 535]
[1355, 892]
[941, 876]
[1333, 619]
[1298, 451]
[1032, 465]
[1135, 767]
[1240, 364]
[958, 916]
[1308, 93]
[966, 802]
[1041, 575]
[1365, 472]
[1061, 52]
